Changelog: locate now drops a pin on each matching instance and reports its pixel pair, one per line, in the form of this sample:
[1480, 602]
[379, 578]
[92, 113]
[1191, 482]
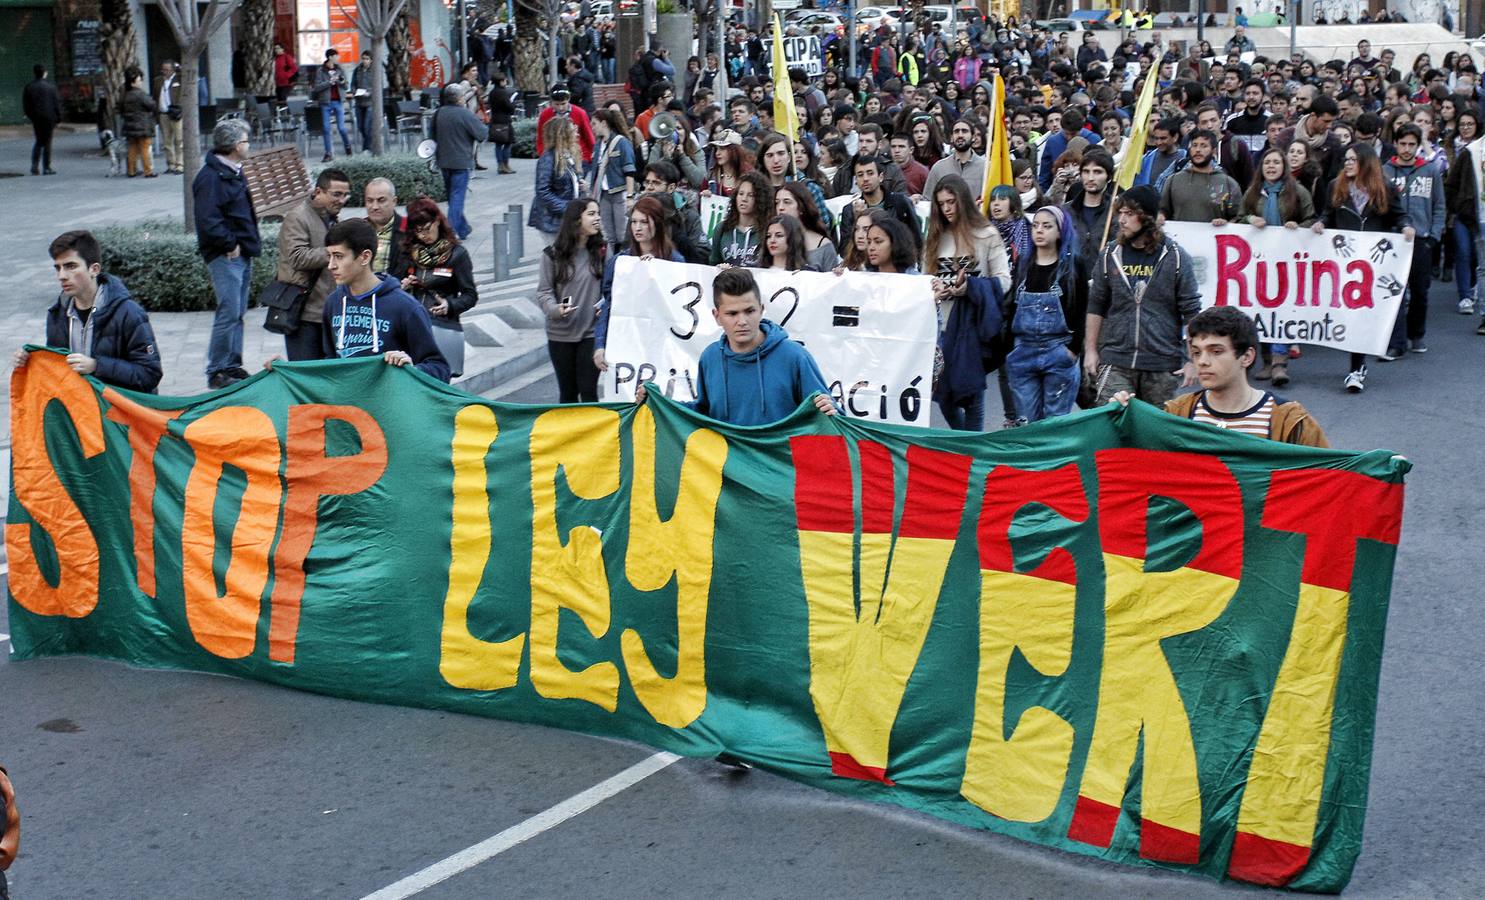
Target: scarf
[431, 256]
[1271, 213]
[1015, 233]
[1359, 198]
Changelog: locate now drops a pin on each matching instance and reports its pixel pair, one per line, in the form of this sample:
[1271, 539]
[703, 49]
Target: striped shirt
[1257, 420]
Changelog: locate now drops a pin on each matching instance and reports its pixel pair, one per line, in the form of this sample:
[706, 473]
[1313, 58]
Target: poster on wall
[323, 25]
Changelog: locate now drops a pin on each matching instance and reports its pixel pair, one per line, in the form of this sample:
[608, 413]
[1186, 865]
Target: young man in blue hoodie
[753, 374]
[370, 314]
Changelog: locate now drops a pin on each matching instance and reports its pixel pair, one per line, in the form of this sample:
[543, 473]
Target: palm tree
[255, 42]
[120, 50]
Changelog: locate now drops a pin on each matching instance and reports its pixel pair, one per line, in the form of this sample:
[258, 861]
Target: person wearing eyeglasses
[302, 260]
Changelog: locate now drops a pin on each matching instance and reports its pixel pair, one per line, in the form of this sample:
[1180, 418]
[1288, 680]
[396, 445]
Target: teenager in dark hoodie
[107, 334]
[753, 374]
[370, 314]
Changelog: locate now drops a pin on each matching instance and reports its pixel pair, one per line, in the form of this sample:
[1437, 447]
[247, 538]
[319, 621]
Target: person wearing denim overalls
[1049, 301]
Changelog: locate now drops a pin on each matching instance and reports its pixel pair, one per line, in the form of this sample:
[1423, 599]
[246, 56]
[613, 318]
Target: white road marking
[545, 820]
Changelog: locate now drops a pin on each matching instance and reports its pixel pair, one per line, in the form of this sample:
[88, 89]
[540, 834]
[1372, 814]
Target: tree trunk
[120, 51]
[528, 50]
[378, 96]
[399, 57]
[255, 41]
[190, 132]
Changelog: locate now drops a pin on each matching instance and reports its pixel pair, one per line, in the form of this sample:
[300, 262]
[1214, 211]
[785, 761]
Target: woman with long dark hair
[890, 247]
[1362, 199]
[647, 239]
[1305, 170]
[794, 199]
[783, 246]
[568, 291]
[503, 99]
[731, 163]
[1275, 198]
[738, 236]
[1461, 191]
[440, 276]
[1047, 314]
[928, 139]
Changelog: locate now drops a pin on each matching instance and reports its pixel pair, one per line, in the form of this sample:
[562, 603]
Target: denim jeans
[966, 415]
[334, 109]
[364, 119]
[456, 185]
[1466, 260]
[231, 279]
[1044, 377]
[307, 342]
[502, 154]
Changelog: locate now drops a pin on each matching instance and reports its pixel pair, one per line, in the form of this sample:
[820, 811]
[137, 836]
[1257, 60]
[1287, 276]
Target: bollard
[517, 234]
[501, 245]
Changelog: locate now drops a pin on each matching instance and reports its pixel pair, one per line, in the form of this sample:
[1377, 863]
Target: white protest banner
[803, 51]
[1339, 289]
[872, 335]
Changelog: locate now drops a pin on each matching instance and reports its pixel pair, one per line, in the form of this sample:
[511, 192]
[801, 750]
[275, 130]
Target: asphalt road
[149, 784]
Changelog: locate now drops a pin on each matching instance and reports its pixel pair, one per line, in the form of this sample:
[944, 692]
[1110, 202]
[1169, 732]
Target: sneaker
[1295, 352]
[1417, 346]
[732, 762]
[326, 158]
[1466, 306]
[1393, 354]
[1481, 329]
[226, 378]
[1356, 381]
[1280, 374]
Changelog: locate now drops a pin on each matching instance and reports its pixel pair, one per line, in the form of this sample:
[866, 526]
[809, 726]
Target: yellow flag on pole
[785, 121]
[998, 150]
[1134, 151]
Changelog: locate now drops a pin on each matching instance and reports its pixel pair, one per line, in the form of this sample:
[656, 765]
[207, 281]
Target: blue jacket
[1147, 166]
[971, 341]
[600, 319]
[758, 387]
[224, 211]
[553, 193]
[385, 318]
[122, 340]
[620, 165]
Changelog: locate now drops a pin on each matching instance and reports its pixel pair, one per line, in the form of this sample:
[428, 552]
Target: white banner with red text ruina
[1340, 289]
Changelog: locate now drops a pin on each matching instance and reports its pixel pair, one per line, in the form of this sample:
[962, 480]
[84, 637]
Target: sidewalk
[504, 333]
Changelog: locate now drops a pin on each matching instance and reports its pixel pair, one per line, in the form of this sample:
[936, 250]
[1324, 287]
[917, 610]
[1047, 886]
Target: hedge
[409, 174]
[159, 263]
[525, 145]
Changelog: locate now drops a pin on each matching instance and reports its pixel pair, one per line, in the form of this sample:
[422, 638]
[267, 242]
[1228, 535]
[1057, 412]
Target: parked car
[810, 18]
[873, 16]
[603, 11]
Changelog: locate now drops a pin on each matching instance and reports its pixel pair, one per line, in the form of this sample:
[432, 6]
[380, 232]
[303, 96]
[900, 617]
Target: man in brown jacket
[1224, 344]
[302, 261]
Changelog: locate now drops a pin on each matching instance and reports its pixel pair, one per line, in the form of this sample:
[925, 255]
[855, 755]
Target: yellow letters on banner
[244, 437]
[1019, 778]
[466, 661]
[1137, 691]
[1285, 782]
[680, 546]
[581, 444]
[37, 488]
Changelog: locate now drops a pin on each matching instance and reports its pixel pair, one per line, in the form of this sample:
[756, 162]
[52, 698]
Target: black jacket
[1347, 219]
[224, 211]
[453, 282]
[41, 103]
[138, 111]
[901, 209]
[123, 342]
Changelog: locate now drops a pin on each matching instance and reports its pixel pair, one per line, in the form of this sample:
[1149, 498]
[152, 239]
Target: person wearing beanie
[1142, 295]
[227, 238]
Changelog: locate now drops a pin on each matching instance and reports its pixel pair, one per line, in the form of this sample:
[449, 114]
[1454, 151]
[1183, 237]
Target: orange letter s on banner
[37, 488]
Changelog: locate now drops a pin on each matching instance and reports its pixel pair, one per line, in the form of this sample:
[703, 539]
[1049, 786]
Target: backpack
[641, 74]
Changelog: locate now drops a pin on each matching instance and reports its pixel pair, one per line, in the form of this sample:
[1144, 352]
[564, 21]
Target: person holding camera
[570, 285]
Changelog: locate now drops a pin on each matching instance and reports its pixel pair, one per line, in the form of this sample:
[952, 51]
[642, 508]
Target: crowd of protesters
[1237, 140]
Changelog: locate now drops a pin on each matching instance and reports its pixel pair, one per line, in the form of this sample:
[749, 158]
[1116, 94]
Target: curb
[488, 379]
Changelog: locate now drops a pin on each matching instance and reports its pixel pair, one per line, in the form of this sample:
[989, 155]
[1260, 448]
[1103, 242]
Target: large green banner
[1117, 633]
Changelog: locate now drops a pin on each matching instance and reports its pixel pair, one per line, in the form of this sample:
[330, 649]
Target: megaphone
[664, 126]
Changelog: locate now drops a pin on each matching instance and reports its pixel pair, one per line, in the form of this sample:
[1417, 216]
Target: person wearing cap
[228, 240]
[1142, 295]
[561, 105]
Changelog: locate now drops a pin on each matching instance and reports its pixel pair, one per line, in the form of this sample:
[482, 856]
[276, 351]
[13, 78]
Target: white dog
[116, 148]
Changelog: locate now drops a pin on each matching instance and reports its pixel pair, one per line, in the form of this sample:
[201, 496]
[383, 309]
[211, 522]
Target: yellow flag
[1134, 151]
[785, 121]
[998, 149]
